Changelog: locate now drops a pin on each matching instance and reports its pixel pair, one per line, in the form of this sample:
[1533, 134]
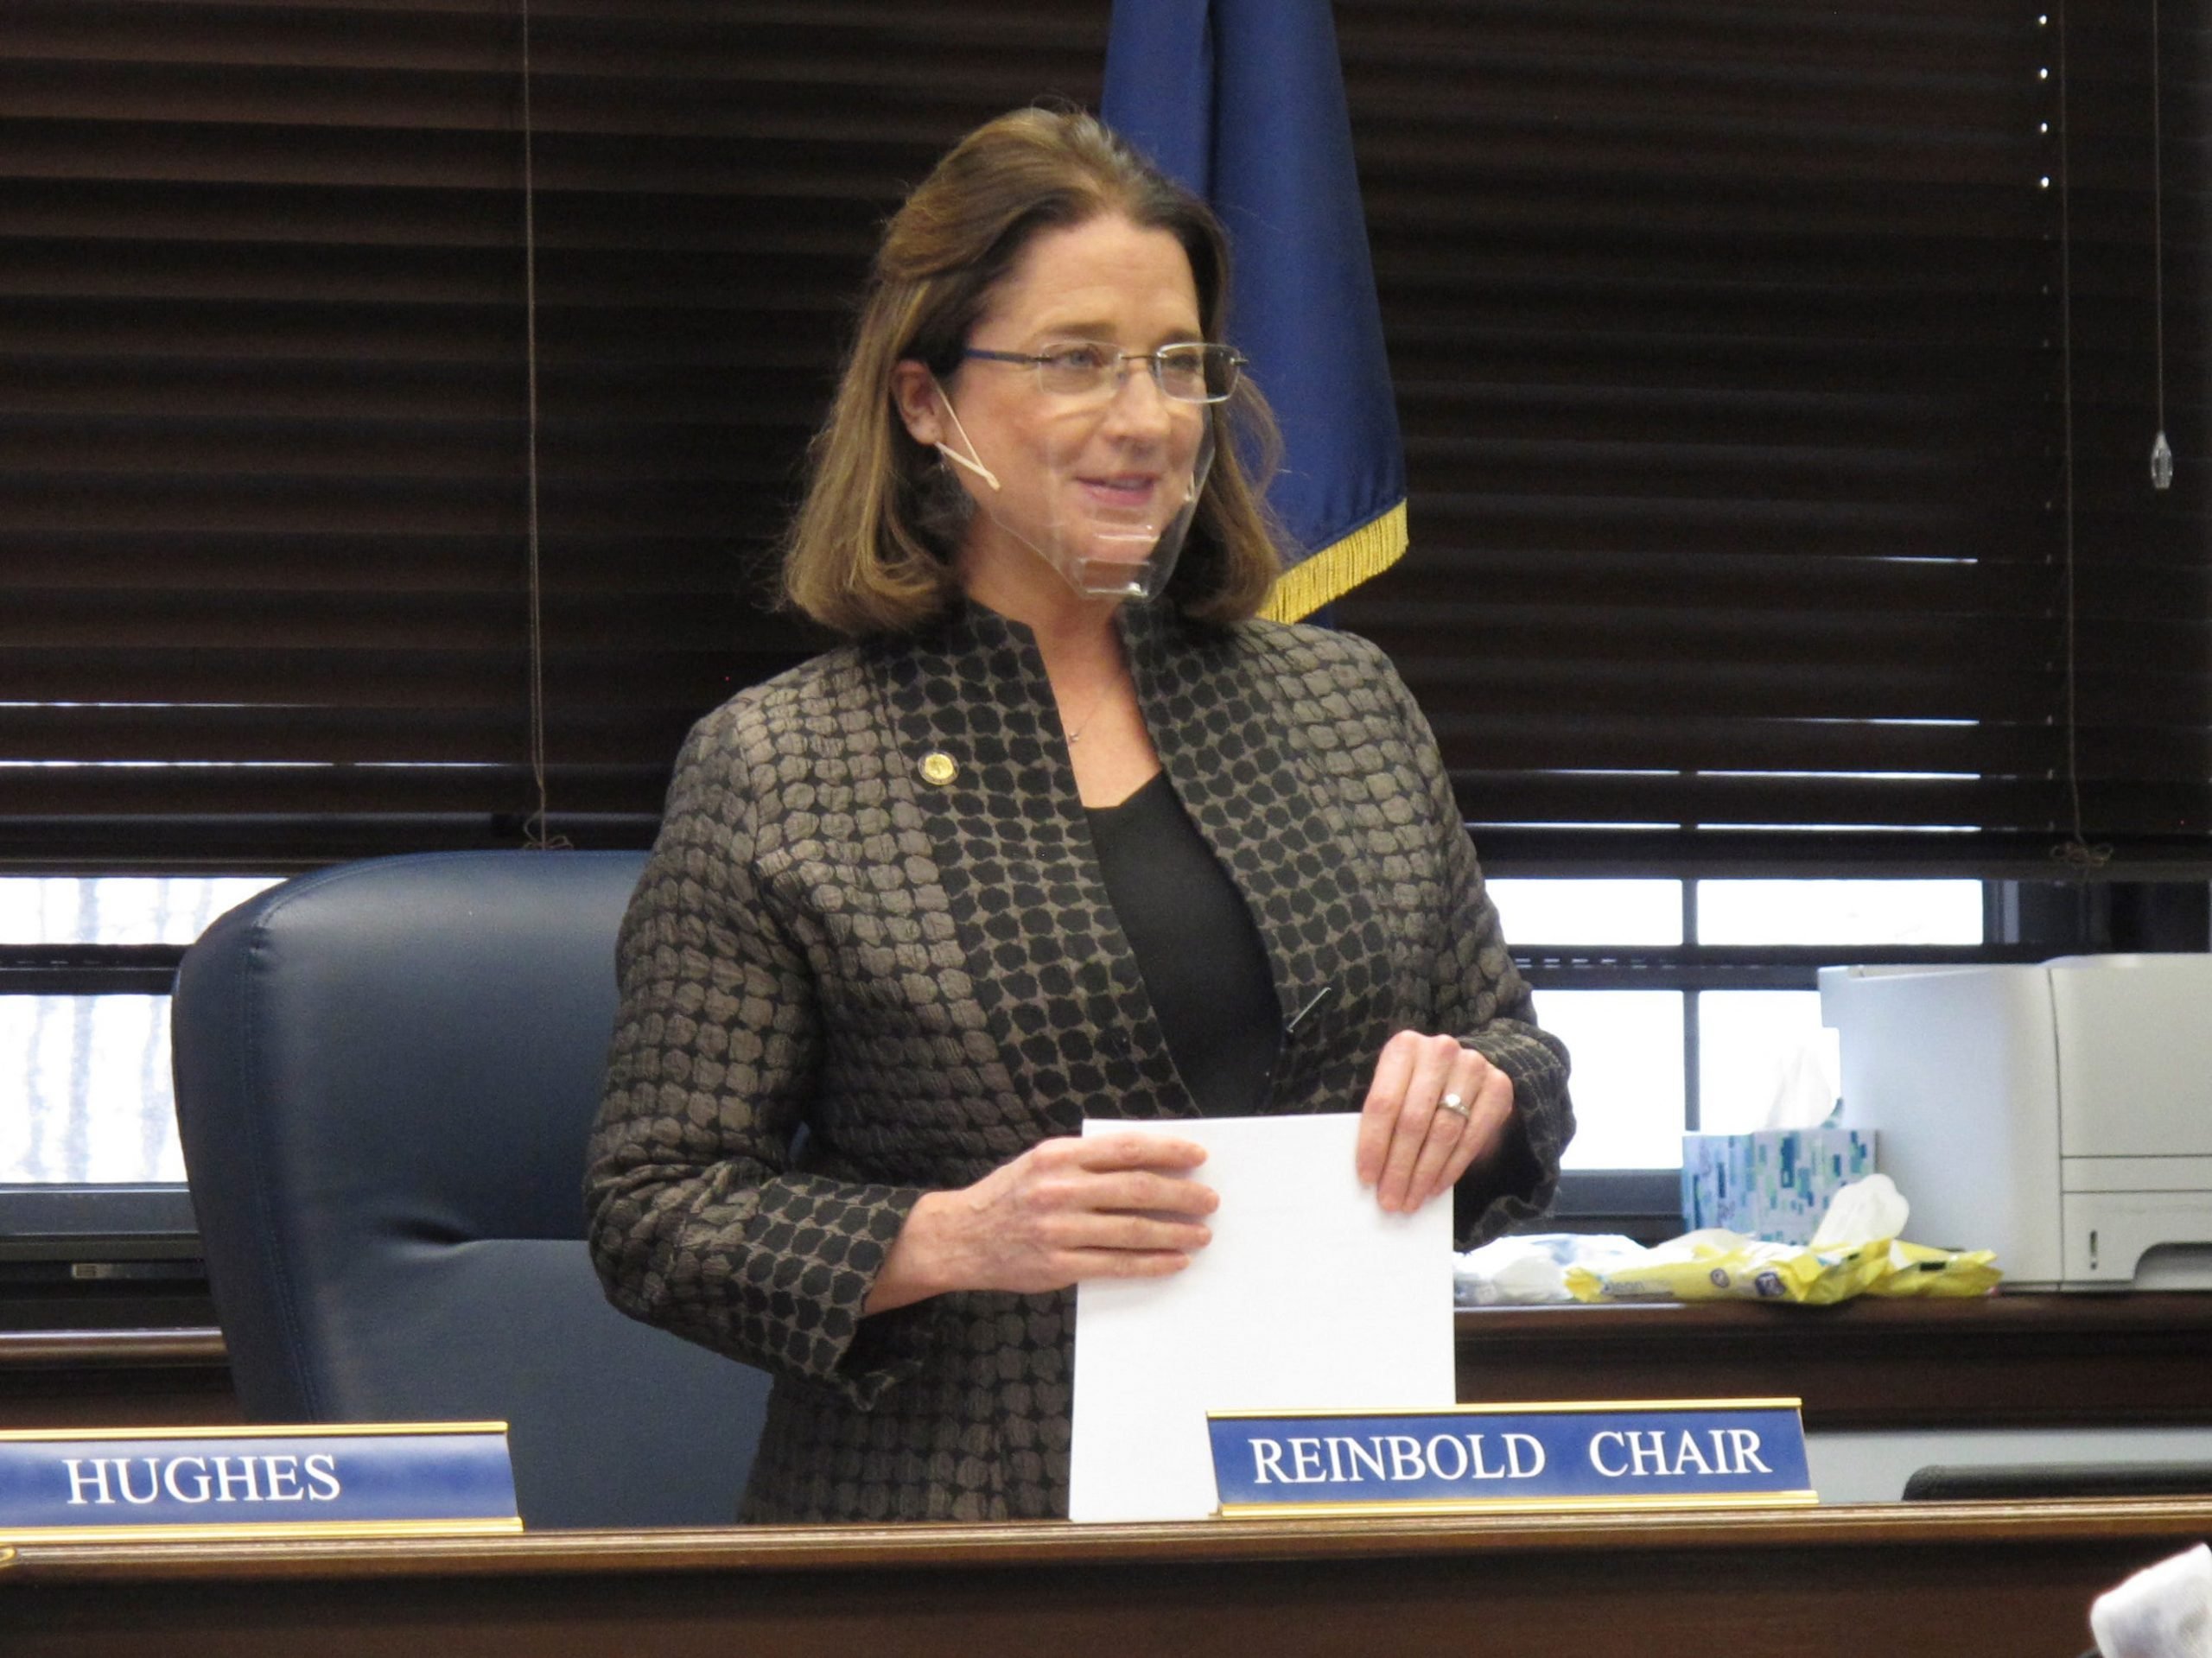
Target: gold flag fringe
[1339, 568]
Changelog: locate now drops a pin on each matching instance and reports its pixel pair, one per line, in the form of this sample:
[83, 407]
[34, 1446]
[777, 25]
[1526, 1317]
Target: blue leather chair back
[385, 1074]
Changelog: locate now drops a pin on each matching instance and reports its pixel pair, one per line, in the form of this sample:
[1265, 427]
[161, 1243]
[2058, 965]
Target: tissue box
[1773, 1184]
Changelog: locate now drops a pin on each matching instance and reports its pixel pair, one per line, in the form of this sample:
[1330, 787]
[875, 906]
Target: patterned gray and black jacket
[873, 954]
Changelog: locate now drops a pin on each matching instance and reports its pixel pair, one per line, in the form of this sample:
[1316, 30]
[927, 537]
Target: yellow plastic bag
[1916, 1269]
[1719, 1265]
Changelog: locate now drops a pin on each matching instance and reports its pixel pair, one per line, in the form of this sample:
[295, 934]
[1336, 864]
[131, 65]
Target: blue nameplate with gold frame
[1524, 1458]
[410, 1479]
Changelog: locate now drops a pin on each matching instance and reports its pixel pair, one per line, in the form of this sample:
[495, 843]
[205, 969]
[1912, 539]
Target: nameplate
[1644, 1453]
[416, 1479]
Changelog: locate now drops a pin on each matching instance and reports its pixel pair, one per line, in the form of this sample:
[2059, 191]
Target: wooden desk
[2005, 1580]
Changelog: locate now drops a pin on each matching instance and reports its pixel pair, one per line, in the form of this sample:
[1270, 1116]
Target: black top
[1203, 963]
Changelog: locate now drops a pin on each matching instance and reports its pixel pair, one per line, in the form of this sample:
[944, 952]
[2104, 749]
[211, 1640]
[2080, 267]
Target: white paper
[1308, 1297]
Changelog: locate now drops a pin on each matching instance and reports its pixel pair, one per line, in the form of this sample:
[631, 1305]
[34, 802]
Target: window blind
[1732, 344]
[1778, 437]
[264, 452]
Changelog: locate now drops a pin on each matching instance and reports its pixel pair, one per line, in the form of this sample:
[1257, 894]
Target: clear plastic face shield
[1104, 481]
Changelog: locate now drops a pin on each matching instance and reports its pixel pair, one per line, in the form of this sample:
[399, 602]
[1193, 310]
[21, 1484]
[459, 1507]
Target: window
[271, 596]
[1698, 1013]
[294, 519]
[1778, 384]
[1629, 1082]
[94, 1061]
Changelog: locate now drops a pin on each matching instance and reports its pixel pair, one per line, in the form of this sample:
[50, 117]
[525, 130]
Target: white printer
[2060, 1115]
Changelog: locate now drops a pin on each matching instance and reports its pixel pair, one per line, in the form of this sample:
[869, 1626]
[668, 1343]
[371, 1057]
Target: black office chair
[2033, 1482]
[386, 1072]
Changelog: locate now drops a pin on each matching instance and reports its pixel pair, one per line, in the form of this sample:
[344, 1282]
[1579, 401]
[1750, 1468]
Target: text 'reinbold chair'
[386, 1072]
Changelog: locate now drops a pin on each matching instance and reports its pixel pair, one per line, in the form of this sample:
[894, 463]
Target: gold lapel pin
[939, 768]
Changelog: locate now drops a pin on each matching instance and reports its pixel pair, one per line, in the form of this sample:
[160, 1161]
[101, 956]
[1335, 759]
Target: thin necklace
[1075, 731]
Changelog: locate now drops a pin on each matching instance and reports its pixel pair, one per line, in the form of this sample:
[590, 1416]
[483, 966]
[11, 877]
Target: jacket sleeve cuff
[812, 1251]
[1518, 1184]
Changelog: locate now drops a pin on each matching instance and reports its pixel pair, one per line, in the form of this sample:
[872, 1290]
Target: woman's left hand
[1413, 1145]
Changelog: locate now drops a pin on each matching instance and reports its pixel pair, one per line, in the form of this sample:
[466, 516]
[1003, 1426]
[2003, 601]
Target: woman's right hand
[1115, 1206]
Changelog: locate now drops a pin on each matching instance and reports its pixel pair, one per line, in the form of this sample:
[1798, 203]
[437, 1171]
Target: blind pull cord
[2162, 453]
[534, 829]
[2075, 852]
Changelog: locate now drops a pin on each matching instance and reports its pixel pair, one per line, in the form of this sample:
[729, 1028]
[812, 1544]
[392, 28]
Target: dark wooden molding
[2004, 1360]
[115, 1378]
[113, 1349]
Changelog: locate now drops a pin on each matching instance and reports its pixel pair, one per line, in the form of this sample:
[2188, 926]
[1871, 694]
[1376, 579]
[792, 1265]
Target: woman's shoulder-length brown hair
[870, 550]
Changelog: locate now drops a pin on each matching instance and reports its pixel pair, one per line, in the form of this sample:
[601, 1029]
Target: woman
[1064, 834]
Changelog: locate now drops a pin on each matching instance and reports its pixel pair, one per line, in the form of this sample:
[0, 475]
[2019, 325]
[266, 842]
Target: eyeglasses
[1190, 372]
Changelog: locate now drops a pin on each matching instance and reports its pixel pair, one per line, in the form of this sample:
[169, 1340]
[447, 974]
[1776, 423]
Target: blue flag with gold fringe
[1244, 101]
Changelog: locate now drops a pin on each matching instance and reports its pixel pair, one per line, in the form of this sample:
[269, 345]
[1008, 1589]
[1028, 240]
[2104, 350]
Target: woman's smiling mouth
[1123, 489]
